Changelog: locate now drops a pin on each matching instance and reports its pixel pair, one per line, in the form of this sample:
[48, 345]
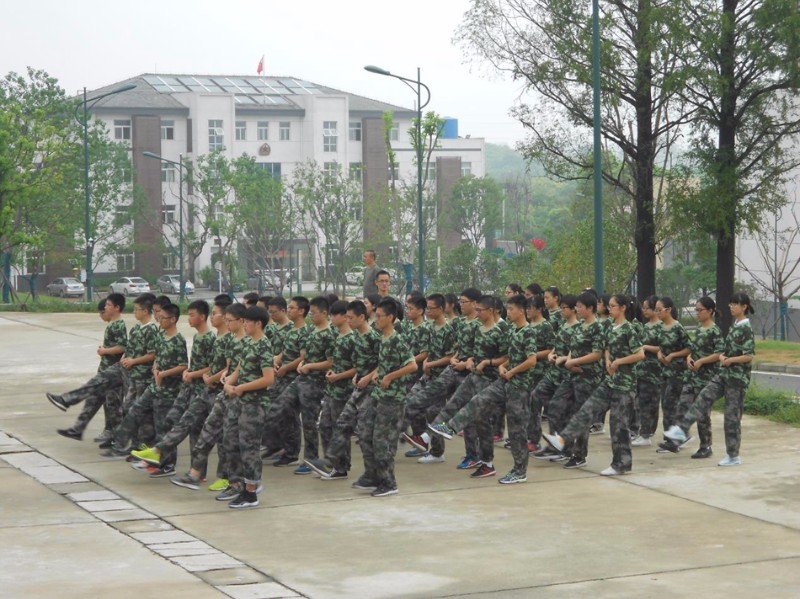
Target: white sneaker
[430, 459]
[611, 471]
[639, 441]
[729, 461]
[676, 434]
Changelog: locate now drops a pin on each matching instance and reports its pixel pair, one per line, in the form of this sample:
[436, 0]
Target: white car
[129, 286]
[355, 276]
[66, 287]
[172, 284]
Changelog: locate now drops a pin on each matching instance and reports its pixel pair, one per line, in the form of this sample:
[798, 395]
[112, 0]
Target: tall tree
[475, 208]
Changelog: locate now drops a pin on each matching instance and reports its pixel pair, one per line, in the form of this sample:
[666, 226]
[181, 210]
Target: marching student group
[268, 378]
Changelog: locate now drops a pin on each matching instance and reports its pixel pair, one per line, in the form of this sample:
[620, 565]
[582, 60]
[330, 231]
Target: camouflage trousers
[424, 403]
[211, 434]
[302, 396]
[734, 406]
[472, 385]
[618, 402]
[515, 400]
[541, 396]
[670, 396]
[147, 430]
[157, 400]
[349, 421]
[243, 431]
[534, 427]
[688, 395]
[105, 389]
[289, 432]
[186, 418]
[379, 440]
[648, 395]
[329, 414]
[567, 401]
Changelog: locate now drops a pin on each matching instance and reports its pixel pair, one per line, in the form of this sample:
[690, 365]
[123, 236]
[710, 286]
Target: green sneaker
[218, 485]
[149, 455]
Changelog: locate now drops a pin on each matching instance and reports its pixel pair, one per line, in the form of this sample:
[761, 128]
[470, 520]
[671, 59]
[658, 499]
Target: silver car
[172, 284]
[66, 287]
[130, 286]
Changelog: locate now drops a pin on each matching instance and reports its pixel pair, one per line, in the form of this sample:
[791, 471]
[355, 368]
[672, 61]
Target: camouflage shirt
[171, 352]
[706, 341]
[256, 357]
[545, 338]
[587, 339]
[441, 343]
[561, 342]
[672, 339]
[393, 354]
[115, 335]
[739, 342]
[556, 319]
[465, 337]
[622, 341]
[417, 338]
[318, 348]
[521, 345]
[235, 351]
[650, 369]
[343, 355]
[202, 353]
[490, 343]
[142, 341]
[278, 336]
[366, 351]
[292, 345]
[220, 352]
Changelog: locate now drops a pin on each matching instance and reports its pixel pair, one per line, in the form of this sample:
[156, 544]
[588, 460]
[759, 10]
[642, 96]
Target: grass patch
[782, 352]
[777, 406]
[47, 304]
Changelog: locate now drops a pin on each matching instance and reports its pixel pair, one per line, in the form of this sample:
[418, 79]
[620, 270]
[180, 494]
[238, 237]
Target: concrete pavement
[74, 524]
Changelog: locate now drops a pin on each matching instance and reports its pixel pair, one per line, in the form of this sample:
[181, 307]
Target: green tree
[475, 209]
[467, 265]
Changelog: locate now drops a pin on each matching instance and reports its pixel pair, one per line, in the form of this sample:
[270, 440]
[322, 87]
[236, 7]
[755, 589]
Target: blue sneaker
[442, 430]
[415, 453]
[303, 469]
[468, 463]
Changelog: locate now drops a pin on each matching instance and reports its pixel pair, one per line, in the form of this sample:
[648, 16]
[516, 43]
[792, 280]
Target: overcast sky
[94, 43]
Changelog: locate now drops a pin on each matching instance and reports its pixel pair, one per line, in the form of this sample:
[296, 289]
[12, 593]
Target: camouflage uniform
[385, 410]
[730, 382]
[649, 383]
[614, 393]
[556, 379]
[545, 338]
[418, 339]
[706, 341]
[556, 320]
[672, 339]
[337, 394]
[246, 415]
[514, 394]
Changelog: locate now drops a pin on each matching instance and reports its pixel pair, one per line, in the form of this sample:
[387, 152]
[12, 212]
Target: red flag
[260, 68]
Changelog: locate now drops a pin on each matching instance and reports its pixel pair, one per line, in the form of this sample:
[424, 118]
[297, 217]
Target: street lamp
[598, 157]
[88, 223]
[420, 106]
[180, 166]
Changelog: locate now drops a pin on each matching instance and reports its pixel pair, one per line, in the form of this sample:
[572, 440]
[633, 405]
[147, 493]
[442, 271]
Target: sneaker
[468, 463]
[57, 401]
[729, 461]
[228, 494]
[442, 430]
[187, 481]
[598, 428]
[483, 471]
[559, 457]
[668, 446]
[148, 455]
[545, 453]
[575, 462]
[555, 441]
[415, 441]
[112, 453]
[303, 469]
[286, 461]
[70, 433]
[365, 484]
[683, 444]
[104, 436]
[415, 453]
[497, 439]
[106, 444]
[533, 447]
[507, 444]
[431, 459]
[319, 466]
[244, 500]
[677, 434]
[611, 471]
[639, 441]
[142, 466]
[703, 452]
[163, 472]
[512, 478]
[219, 485]
[384, 491]
[334, 475]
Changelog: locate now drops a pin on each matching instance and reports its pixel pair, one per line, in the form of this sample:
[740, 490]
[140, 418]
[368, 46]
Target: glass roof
[247, 90]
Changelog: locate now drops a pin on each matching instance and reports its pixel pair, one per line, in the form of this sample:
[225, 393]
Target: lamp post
[598, 157]
[179, 164]
[85, 103]
[420, 106]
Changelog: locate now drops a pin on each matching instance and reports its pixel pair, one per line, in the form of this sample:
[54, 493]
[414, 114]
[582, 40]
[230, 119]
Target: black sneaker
[575, 462]
[668, 446]
[483, 471]
[365, 484]
[70, 433]
[187, 481]
[384, 491]
[57, 401]
[114, 453]
[245, 499]
[319, 466]
[545, 453]
[106, 444]
[163, 472]
[703, 452]
[286, 461]
[228, 494]
[335, 475]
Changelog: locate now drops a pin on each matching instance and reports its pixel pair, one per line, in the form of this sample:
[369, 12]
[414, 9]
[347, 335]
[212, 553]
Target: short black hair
[101, 305]
[487, 301]
[569, 300]
[338, 307]
[553, 290]
[223, 301]
[471, 294]
[265, 299]
[742, 299]
[535, 289]
[256, 314]
[117, 299]
[222, 296]
[236, 310]
[278, 301]
[320, 303]
[250, 298]
[172, 310]
[302, 302]
[144, 302]
[419, 301]
[438, 299]
[201, 307]
[518, 300]
[588, 299]
[357, 307]
[389, 306]
[148, 296]
[161, 301]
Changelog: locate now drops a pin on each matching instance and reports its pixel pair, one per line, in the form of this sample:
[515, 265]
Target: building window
[167, 172]
[168, 214]
[330, 170]
[216, 136]
[285, 131]
[127, 172]
[122, 216]
[169, 261]
[273, 168]
[354, 133]
[241, 130]
[357, 211]
[356, 172]
[262, 132]
[466, 169]
[167, 129]
[122, 129]
[432, 172]
[394, 171]
[394, 132]
[125, 262]
[329, 136]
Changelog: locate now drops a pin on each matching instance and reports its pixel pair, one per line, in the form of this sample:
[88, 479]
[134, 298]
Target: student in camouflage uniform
[623, 350]
[538, 316]
[674, 347]
[731, 383]
[247, 393]
[277, 330]
[649, 378]
[416, 333]
[108, 383]
[380, 431]
[489, 350]
[511, 389]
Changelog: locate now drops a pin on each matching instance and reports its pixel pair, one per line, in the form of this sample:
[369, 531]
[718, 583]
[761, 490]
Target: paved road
[776, 380]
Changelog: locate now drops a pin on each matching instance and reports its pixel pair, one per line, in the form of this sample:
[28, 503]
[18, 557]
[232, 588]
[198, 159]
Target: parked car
[129, 286]
[270, 279]
[66, 287]
[355, 276]
[172, 283]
